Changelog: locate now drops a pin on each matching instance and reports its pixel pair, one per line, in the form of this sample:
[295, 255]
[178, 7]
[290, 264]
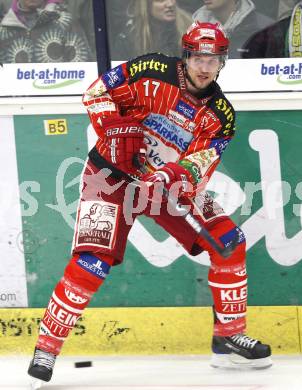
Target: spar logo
[51, 78]
[286, 74]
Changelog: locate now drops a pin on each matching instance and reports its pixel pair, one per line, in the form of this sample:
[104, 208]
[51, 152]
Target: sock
[84, 274]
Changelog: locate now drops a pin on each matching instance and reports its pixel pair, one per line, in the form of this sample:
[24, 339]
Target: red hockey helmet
[205, 38]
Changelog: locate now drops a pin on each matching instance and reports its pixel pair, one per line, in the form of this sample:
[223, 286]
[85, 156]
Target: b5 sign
[55, 126]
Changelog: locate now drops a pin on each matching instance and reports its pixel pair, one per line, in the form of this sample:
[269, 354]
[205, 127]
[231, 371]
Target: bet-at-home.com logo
[286, 74]
[51, 78]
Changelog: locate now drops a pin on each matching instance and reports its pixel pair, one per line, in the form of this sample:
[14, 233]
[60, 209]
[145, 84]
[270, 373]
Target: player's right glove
[123, 143]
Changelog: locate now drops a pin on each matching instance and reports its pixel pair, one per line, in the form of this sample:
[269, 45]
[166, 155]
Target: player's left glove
[175, 178]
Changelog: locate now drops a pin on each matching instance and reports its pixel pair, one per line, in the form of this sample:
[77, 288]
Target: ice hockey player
[171, 113]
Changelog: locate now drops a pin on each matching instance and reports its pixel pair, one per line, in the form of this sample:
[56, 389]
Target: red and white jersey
[179, 127]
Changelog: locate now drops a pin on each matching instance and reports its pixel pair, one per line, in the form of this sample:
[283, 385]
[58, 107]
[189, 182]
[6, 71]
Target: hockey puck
[83, 364]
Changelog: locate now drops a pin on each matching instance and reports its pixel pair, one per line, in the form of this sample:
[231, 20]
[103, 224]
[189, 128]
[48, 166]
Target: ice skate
[42, 364]
[240, 351]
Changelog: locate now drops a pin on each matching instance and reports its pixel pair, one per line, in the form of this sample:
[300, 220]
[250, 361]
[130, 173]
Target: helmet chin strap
[217, 75]
[189, 77]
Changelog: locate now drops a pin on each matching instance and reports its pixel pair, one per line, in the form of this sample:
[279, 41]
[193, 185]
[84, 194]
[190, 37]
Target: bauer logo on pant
[97, 224]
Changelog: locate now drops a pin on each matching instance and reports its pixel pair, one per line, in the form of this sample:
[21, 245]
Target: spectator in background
[188, 6]
[239, 19]
[2, 12]
[153, 26]
[282, 39]
[116, 15]
[4, 6]
[40, 31]
[285, 8]
[82, 14]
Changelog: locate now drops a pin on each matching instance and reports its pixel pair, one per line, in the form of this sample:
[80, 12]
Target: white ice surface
[154, 373]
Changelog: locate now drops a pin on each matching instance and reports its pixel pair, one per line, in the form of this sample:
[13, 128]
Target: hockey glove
[123, 141]
[176, 179]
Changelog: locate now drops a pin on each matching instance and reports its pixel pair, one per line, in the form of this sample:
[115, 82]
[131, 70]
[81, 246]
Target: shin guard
[229, 293]
[84, 274]
[227, 280]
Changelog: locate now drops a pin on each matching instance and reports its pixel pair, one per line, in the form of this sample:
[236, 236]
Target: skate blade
[233, 360]
[35, 384]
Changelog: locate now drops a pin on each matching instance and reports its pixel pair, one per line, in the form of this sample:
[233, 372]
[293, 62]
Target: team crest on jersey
[97, 224]
[186, 110]
[114, 77]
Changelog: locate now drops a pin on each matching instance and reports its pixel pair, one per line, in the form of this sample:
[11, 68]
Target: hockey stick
[191, 220]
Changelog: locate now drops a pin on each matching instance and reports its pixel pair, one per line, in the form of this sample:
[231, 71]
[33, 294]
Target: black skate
[240, 351]
[41, 366]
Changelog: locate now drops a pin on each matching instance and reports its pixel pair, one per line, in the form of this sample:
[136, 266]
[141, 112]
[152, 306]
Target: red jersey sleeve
[204, 152]
[102, 99]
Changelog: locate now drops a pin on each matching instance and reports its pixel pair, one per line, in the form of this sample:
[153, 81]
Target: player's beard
[198, 83]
